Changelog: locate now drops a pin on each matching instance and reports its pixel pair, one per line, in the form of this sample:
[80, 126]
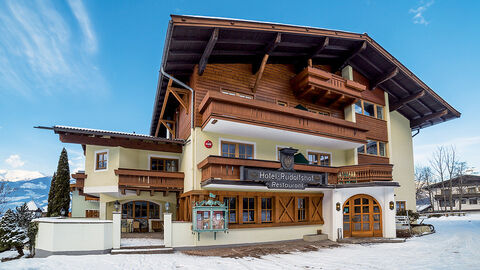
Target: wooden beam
[260, 73]
[318, 49]
[172, 131]
[417, 122]
[180, 91]
[164, 106]
[269, 48]
[306, 91]
[180, 100]
[402, 102]
[335, 101]
[208, 51]
[385, 77]
[152, 192]
[351, 56]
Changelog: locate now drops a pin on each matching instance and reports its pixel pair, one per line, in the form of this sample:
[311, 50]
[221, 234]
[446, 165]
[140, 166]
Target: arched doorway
[362, 217]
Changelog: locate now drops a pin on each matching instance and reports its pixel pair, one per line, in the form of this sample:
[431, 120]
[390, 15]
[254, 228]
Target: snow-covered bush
[15, 227]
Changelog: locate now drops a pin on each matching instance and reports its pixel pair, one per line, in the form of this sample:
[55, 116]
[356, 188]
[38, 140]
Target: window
[282, 103]
[472, 201]
[301, 209]
[232, 93]
[464, 201]
[472, 190]
[322, 159]
[319, 112]
[101, 161]
[369, 109]
[154, 211]
[445, 192]
[163, 164]
[231, 203]
[266, 209]
[373, 148]
[239, 150]
[400, 206]
[140, 209]
[248, 210]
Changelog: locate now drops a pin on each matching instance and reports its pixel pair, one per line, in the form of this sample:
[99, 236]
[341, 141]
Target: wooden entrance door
[362, 217]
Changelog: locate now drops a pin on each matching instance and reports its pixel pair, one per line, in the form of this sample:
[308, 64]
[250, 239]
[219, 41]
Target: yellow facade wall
[401, 156]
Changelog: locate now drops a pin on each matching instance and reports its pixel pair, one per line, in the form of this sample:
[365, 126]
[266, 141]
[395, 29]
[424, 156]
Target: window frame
[164, 159]
[375, 110]
[317, 111]
[401, 205]
[281, 103]
[248, 210]
[266, 210]
[318, 154]
[302, 210]
[229, 209]
[378, 149]
[105, 152]
[237, 143]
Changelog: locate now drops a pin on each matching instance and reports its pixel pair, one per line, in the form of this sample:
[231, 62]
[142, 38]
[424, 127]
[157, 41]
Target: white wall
[73, 236]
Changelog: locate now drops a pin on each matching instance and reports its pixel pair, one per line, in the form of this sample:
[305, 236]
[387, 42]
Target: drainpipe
[191, 119]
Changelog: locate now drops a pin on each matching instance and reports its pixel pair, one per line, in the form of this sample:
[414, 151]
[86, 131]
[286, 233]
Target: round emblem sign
[208, 144]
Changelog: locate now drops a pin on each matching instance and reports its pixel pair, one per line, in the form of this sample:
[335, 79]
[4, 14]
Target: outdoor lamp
[392, 205]
[167, 206]
[38, 213]
[62, 212]
[117, 206]
[338, 206]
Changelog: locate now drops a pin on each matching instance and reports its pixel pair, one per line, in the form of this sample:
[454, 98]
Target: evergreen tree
[12, 234]
[61, 196]
[50, 196]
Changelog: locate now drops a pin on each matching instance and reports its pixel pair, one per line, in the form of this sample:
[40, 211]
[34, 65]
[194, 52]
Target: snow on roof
[422, 207]
[33, 206]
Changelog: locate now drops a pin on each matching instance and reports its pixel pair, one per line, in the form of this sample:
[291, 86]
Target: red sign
[208, 144]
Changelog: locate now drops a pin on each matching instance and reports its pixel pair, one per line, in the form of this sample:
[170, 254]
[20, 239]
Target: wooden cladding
[146, 180]
[260, 209]
[220, 106]
[368, 159]
[224, 168]
[377, 128]
[326, 88]
[364, 173]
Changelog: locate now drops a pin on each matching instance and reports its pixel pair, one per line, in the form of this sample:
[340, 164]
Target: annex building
[291, 129]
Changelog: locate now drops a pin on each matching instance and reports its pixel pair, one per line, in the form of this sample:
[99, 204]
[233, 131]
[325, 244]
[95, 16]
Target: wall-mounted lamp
[117, 206]
[392, 205]
[338, 206]
[167, 207]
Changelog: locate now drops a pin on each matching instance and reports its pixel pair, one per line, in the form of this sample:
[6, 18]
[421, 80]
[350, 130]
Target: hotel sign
[275, 179]
[285, 177]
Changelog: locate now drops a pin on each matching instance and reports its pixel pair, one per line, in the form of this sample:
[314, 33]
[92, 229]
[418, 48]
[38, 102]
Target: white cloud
[84, 21]
[16, 199]
[41, 52]
[418, 17]
[33, 186]
[466, 147]
[76, 160]
[14, 161]
[19, 175]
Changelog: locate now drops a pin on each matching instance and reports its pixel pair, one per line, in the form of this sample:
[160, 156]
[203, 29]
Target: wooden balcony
[216, 107]
[145, 180]
[224, 168]
[364, 173]
[79, 182]
[326, 88]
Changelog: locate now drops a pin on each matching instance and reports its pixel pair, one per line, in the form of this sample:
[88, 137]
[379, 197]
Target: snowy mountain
[28, 190]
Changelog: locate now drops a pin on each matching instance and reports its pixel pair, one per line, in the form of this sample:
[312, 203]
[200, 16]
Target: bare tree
[461, 168]
[423, 181]
[438, 166]
[5, 192]
[451, 164]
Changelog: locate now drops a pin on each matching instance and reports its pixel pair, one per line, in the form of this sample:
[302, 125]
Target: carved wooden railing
[312, 77]
[150, 179]
[79, 182]
[224, 168]
[364, 173]
[261, 113]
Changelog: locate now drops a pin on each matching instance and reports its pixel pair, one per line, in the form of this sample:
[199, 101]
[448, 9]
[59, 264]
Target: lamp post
[62, 213]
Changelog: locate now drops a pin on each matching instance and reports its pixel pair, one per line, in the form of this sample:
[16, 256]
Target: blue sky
[95, 64]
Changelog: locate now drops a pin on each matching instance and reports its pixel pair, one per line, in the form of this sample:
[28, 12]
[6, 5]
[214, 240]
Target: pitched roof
[467, 180]
[242, 41]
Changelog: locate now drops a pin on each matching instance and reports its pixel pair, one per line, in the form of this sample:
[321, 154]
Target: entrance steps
[158, 249]
[314, 237]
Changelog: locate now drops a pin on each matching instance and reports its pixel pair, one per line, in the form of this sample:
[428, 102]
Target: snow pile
[135, 242]
[454, 246]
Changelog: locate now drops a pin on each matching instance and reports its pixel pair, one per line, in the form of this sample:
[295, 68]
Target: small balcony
[246, 117]
[327, 89]
[145, 180]
[225, 168]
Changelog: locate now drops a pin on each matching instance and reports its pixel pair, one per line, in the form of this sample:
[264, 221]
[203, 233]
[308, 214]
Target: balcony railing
[149, 180]
[224, 168]
[79, 182]
[216, 105]
[364, 173]
[328, 89]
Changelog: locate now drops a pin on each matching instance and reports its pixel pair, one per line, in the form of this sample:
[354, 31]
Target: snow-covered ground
[456, 245]
[133, 242]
